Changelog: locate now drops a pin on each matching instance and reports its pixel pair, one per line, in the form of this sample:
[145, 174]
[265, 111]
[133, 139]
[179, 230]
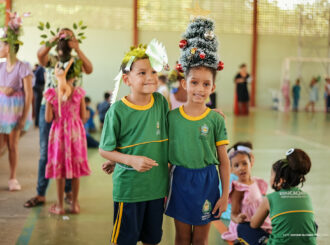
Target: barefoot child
[135, 136]
[197, 142]
[67, 147]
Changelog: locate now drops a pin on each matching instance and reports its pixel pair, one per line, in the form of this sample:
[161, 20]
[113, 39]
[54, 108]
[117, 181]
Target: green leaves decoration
[48, 32]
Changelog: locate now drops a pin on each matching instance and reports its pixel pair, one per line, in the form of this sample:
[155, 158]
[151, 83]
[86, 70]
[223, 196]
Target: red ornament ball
[202, 55]
[179, 68]
[183, 43]
[220, 66]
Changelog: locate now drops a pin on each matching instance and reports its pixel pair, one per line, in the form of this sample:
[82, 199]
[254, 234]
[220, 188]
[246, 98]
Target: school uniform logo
[206, 210]
[204, 130]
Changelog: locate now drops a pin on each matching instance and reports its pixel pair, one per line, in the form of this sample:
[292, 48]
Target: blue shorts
[193, 195]
[139, 221]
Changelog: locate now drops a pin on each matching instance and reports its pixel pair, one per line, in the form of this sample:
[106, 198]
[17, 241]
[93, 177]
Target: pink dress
[253, 195]
[67, 146]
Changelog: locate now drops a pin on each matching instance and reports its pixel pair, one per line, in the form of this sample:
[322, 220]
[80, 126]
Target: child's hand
[108, 167]
[241, 218]
[142, 164]
[221, 205]
[220, 112]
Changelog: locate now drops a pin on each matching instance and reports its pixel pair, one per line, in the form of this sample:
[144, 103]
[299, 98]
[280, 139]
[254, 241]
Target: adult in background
[38, 88]
[103, 107]
[49, 61]
[242, 93]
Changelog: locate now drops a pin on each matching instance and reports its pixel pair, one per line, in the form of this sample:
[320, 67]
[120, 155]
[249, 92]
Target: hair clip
[289, 152]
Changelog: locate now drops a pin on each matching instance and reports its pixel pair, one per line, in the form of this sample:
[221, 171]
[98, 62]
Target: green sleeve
[221, 131]
[110, 131]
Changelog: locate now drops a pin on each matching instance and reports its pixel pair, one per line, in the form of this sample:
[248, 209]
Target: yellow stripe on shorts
[118, 221]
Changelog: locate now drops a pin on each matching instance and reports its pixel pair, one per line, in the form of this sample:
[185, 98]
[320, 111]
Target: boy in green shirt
[135, 137]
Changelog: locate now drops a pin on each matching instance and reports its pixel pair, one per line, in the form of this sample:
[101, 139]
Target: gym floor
[272, 134]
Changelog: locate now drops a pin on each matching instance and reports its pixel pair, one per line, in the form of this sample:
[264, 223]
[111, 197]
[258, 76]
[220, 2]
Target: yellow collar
[139, 107]
[190, 118]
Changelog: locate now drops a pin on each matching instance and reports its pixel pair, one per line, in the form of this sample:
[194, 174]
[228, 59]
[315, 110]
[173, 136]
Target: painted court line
[28, 228]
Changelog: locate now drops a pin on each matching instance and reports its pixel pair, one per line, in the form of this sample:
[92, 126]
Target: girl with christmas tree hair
[15, 94]
[197, 141]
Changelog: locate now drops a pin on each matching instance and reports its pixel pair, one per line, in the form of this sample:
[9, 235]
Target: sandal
[33, 202]
[13, 185]
[54, 209]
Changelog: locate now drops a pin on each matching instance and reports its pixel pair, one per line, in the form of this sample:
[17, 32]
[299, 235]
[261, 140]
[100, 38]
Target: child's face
[199, 85]
[142, 78]
[4, 49]
[241, 166]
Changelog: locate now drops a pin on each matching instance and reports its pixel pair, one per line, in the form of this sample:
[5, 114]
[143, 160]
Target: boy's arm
[139, 163]
[261, 214]
[224, 171]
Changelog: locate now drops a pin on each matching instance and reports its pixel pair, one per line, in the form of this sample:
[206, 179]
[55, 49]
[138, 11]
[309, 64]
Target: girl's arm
[28, 93]
[49, 115]
[139, 163]
[261, 214]
[83, 113]
[224, 170]
[236, 203]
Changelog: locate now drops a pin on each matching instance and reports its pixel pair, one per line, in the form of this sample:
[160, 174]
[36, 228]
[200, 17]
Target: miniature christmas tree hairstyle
[199, 46]
[13, 31]
[155, 52]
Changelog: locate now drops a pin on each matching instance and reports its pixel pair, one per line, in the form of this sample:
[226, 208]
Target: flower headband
[13, 30]
[240, 148]
[155, 52]
[77, 27]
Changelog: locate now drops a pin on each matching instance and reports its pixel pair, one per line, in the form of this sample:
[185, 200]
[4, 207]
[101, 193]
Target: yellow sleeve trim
[139, 107]
[190, 118]
[142, 143]
[293, 211]
[222, 142]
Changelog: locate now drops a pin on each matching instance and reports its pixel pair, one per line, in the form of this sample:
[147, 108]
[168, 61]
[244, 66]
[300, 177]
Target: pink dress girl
[253, 195]
[67, 146]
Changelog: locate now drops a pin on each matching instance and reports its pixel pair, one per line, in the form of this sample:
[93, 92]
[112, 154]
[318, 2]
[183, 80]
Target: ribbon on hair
[119, 78]
[239, 148]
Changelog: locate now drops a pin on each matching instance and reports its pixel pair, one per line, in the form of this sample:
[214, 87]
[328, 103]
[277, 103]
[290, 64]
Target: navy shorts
[138, 221]
[193, 195]
[251, 236]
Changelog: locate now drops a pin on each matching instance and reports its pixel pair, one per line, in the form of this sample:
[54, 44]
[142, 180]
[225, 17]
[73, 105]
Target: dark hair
[163, 78]
[87, 99]
[123, 65]
[291, 170]
[16, 47]
[63, 45]
[106, 95]
[242, 65]
[212, 70]
[241, 143]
